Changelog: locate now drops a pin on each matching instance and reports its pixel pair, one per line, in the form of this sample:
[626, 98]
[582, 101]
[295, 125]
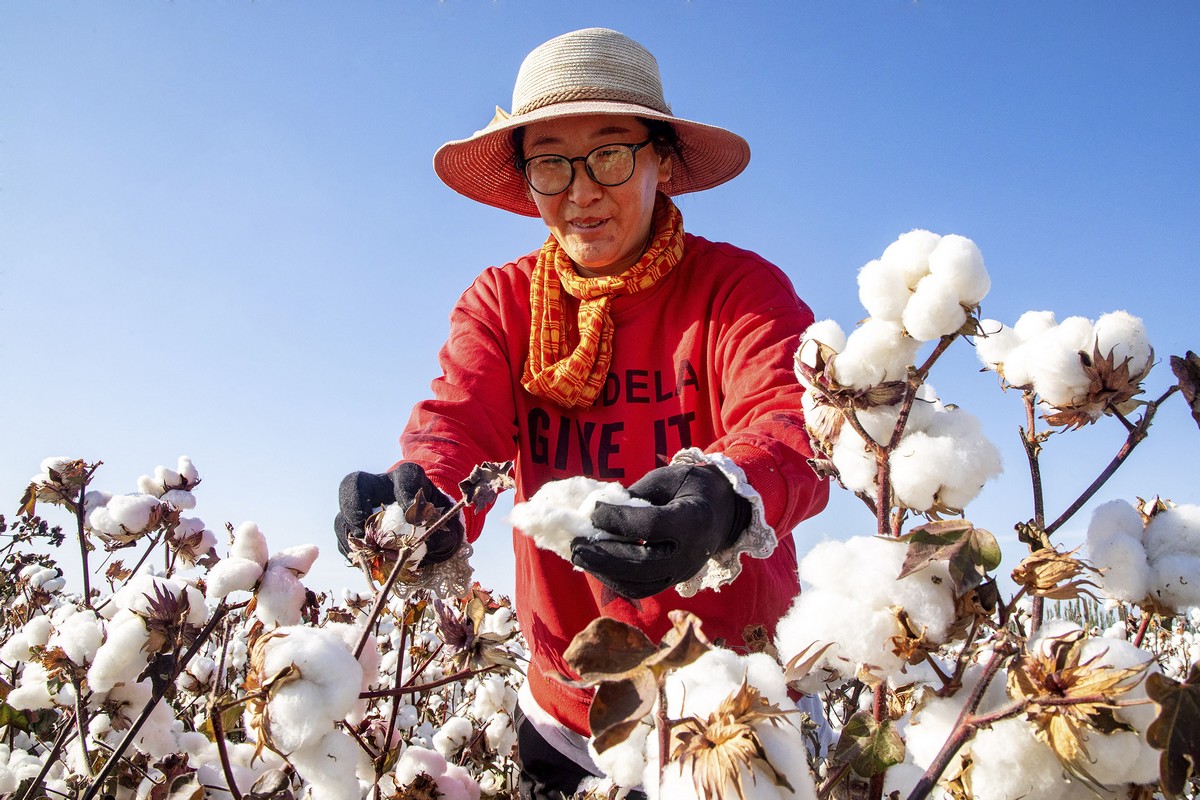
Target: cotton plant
[876, 422]
[177, 671]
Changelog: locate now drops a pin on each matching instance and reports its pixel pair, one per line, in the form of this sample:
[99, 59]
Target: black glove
[361, 494]
[694, 513]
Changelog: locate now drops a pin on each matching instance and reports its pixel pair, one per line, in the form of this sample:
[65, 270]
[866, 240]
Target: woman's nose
[583, 190]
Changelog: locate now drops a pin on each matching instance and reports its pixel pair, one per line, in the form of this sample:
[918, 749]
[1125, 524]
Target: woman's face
[604, 229]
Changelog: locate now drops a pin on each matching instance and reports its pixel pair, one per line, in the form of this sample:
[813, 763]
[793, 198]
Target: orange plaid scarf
[572, 378]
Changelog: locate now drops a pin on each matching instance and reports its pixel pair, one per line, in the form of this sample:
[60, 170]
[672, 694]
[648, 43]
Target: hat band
[593, 93]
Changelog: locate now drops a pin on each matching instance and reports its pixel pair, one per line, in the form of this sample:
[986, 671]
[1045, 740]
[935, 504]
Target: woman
[626, 350]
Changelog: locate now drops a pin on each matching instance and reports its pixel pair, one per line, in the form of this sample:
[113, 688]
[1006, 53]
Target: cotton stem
[83, 548]
[879, 713]
[1140, 431]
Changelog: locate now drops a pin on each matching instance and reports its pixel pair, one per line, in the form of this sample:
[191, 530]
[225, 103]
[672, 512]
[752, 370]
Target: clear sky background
[221, 234]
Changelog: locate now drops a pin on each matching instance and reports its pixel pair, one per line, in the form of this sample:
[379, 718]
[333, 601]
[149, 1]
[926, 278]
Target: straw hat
[590, 71]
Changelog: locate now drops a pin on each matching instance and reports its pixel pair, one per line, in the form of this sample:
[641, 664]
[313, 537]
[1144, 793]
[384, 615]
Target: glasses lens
[548, 174]
[611, 165]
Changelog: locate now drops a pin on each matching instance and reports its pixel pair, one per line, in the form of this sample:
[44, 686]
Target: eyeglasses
[607, 165]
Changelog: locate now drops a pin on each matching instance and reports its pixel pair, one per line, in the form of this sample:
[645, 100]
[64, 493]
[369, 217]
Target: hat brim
[481, 167]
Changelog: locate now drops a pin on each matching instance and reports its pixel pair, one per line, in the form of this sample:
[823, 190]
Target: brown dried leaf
[608, 647]
[485, 482]
[1176, 730]
[619, 705]
[1187, 372]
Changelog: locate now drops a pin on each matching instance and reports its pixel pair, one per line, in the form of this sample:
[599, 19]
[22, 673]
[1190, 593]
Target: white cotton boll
[187, 470]
[303, 711]
[561, 511]
[167, 477]
[1058, 373]
[974, 459]
[31, 691]
[957, 259]
[298, 559]
[232, 574]
[456, 783]
[916, 469]
[37, 631]
[852, 585]
[995, 343]
[934, 310]
[1124, 335]
[122, 656]
[910, 254]
[1175, 580]
[331, 766]
[280, 597]
[79, 636]
[123, 514]
[489, 696]
[452, 736]
[15, 649]
[407, 716]
[856, 467]
[1008, 762]
[1125, 572]
[875, 352]
[827, 332]
[883, 290]
[249, 542]
[1114, 519]
[699, 687]
[501, 622]
[1123, 756]
[784, 746]
[500, 733]
[417, 760]
[1033, 324]
[147, 485]
[1176, 530]
[179, 498]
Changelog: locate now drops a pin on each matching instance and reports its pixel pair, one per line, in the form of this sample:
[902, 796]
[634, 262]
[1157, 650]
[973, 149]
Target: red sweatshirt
[701, 359]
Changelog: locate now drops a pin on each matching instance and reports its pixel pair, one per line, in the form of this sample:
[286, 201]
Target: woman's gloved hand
[693, 513]
[361, 494]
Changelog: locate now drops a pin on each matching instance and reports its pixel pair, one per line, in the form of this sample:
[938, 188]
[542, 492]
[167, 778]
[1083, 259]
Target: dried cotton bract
[738, 736]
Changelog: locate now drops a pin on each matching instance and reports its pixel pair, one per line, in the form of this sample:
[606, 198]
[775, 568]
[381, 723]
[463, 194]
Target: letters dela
[563, 442]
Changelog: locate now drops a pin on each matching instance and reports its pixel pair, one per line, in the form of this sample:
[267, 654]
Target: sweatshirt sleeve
[759, 325]
[471, 415]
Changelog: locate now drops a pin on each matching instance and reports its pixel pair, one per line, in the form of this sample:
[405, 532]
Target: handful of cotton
[561, 511]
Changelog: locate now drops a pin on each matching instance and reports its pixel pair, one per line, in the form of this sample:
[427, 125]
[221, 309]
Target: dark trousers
[547, 774]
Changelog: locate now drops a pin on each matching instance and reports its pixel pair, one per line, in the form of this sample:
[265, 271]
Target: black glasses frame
[633, 147]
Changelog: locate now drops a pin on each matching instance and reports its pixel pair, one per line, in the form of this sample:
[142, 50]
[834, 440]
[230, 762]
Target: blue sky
[221, 235]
